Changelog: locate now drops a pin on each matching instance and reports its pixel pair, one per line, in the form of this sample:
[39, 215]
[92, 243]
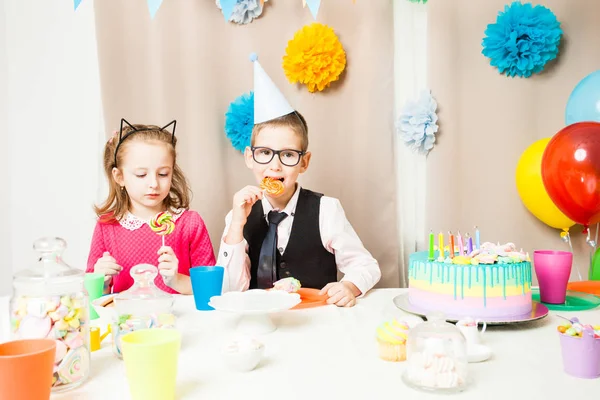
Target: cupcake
[391, 338]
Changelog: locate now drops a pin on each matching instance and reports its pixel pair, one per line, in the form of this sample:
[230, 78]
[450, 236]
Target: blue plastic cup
[206, 283]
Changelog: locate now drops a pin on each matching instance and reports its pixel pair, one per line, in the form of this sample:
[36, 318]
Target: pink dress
[132, 242]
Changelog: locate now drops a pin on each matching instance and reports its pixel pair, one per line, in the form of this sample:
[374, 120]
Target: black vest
[304, 258]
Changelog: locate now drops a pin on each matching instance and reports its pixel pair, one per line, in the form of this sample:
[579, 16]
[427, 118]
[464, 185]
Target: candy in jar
[142, 306]
[49, 301]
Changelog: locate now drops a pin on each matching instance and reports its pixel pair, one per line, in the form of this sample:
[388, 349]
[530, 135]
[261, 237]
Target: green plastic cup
[94, 284]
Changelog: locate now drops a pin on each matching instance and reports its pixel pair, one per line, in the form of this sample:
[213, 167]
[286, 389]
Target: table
[331, 353]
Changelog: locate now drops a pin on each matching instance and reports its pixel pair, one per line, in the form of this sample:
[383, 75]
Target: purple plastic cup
[581, 355]
[553, 269]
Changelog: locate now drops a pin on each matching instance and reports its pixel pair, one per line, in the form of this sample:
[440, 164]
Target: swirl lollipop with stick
[162, 224]
[273, 187]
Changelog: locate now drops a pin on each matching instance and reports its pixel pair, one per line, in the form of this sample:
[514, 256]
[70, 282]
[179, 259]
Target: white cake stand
[254, 307]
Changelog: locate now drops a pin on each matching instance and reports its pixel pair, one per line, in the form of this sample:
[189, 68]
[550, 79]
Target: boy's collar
[290, 207]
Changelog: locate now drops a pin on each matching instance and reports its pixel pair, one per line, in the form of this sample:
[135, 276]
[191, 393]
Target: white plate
[254, 306]
[255, 301]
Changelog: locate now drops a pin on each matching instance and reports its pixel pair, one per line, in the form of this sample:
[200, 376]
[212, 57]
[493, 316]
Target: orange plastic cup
[26, 369]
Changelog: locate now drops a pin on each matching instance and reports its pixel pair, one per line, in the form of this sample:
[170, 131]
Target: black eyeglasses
[288, 157]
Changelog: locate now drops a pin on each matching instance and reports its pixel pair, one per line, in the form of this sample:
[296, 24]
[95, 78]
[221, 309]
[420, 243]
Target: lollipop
[272, 186]
[162, 224]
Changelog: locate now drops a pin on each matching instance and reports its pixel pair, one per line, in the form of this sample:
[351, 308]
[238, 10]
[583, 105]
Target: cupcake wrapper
[392, 352]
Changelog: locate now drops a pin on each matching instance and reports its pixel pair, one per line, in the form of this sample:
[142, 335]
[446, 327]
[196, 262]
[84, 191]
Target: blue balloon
[584, 101]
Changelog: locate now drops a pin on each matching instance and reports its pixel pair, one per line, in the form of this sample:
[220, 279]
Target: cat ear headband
[134, 130]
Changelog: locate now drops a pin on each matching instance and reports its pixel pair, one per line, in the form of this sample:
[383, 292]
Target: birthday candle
[476, 238]
[469, 244]
[431, 256]
[441, 245]
[461, 249]
[451, 244]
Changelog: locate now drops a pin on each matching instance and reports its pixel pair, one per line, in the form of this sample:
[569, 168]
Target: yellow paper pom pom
[314, 57]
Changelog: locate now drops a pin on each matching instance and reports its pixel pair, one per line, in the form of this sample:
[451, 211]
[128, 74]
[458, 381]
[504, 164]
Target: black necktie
[267, 268]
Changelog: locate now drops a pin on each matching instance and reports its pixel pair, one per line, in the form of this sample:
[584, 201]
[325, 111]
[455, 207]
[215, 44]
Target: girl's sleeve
[97, 248]
[201, 248]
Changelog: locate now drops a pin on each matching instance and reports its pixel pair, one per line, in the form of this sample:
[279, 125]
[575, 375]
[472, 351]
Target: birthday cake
[493, 281]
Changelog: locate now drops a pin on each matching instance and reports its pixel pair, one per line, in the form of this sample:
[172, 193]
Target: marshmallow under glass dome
[436, 357]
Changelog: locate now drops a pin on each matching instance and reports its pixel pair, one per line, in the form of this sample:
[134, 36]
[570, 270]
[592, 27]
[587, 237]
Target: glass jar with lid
[436, 355]
[142, 306]
[50, 301]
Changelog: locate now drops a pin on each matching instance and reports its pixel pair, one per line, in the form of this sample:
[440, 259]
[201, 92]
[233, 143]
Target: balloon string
[593, 252]
[571, 248]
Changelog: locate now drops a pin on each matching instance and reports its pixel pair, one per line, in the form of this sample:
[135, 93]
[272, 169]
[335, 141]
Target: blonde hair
[117, 203]
[295, 121]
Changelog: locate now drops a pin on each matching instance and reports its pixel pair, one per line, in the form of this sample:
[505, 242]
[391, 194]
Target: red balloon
[571, 172]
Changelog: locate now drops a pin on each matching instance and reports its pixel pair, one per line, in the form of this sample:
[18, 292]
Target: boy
[297, 233]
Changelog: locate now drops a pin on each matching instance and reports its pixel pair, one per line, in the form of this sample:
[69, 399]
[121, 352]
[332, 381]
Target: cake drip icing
[489, 267]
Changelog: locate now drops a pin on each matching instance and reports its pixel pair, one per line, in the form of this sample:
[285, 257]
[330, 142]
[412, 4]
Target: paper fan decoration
[314, 57]
[244, 11]
[523, 39]
[239, 120]
[417, 124]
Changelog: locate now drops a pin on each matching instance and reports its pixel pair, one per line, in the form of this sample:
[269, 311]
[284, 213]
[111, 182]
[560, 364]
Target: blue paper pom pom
[253, 57]
[417, 124]
[239, 120]
[244, 11]
[523, 39]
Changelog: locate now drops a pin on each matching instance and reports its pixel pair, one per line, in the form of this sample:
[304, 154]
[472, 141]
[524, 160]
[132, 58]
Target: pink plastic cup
[581, 355]
[553, 269]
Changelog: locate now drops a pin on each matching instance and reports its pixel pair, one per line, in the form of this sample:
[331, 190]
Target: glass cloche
[142, 306]
[50, 301]
[436, 356]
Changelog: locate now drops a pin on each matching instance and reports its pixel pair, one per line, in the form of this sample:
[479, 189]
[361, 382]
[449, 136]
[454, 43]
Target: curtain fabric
[189, 64]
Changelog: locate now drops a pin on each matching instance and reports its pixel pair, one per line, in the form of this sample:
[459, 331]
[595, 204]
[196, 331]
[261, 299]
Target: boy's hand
[342, 294]
[108, 266]
[168, 265]
[243, 202]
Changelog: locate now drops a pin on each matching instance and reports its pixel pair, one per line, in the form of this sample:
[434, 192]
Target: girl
[144, 179]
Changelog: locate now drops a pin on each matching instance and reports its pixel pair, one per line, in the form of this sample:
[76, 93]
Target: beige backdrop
[189, 64]
[487, 120]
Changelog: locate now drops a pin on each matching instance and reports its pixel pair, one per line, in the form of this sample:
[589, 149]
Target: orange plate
[591, 287]
[310, 298]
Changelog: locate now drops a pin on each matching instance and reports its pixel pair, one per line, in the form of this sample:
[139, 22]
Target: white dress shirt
[337, 235]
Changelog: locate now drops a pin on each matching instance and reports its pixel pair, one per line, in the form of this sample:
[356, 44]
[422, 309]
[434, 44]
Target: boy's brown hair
[295, 121]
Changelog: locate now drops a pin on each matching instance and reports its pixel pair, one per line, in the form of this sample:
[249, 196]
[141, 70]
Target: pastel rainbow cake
[492, 282]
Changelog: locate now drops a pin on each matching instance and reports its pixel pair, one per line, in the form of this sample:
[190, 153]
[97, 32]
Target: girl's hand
[342, 294]
[108, 266]
[168, 265]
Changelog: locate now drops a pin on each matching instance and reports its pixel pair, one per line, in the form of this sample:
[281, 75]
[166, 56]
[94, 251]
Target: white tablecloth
[331, 353]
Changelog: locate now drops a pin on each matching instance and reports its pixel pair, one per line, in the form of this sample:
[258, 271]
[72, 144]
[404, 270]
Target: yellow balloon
[531, 187]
